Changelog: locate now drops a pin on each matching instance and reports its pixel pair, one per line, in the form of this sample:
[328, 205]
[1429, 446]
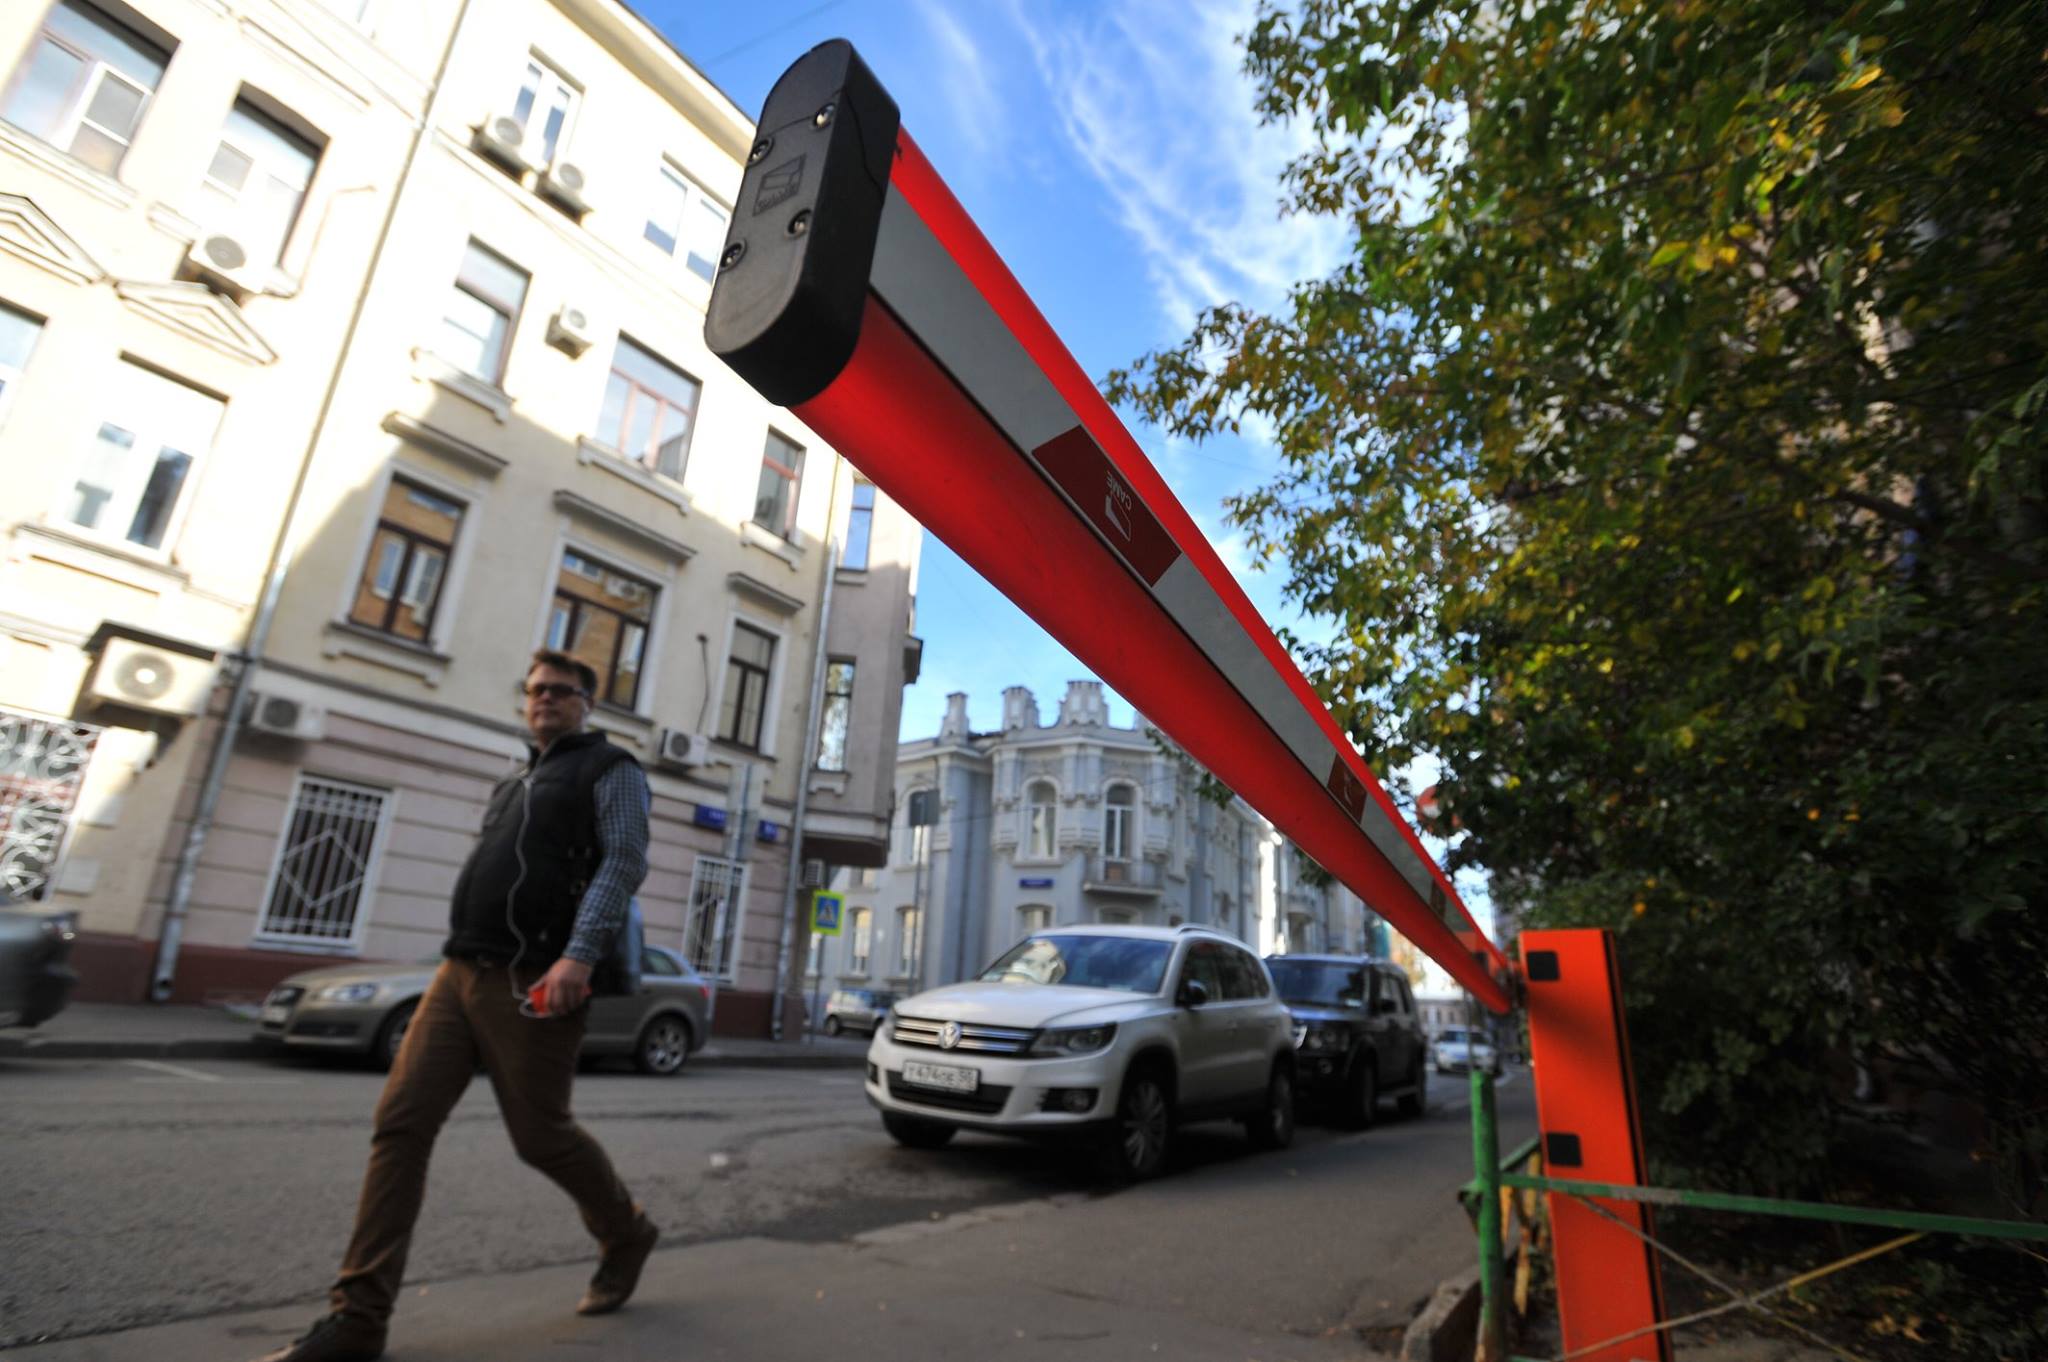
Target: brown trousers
[470, 1016]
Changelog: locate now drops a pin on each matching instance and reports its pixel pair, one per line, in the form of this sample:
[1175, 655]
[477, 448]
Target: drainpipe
[828, 573]
[247, 660]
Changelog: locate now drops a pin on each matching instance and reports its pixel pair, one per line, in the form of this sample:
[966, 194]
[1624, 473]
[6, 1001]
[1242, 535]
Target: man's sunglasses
[554, 690]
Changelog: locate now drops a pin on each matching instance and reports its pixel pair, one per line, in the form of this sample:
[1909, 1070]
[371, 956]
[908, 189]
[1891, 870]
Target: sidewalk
[142, 1031]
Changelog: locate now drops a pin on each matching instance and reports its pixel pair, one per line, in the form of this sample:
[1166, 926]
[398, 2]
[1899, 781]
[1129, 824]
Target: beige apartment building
[464, 412]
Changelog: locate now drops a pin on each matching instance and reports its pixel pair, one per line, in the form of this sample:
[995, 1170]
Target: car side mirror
[1194, 993]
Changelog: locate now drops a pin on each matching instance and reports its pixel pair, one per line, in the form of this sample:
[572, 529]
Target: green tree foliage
[1669, 451]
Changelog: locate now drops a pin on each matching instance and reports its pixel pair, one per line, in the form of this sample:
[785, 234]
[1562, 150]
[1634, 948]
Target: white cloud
[1150, 97]
[964, 79]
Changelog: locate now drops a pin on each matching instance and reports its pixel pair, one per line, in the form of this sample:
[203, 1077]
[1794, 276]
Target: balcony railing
[1106, 876]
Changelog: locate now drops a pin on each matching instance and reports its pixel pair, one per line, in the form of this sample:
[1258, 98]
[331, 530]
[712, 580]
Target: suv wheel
[832, 1026]
[1362, 1094]
[915, 1133]
[1143, 1129]
[1273, 1126]
[1416, 1100]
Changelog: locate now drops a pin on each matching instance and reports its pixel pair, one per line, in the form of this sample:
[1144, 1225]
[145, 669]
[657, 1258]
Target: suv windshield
[1455, 1036]
[1329, 982]
[1120, 962]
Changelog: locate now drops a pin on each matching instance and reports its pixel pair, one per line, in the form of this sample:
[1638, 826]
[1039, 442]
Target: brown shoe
[618, 1272]
[333, 1338]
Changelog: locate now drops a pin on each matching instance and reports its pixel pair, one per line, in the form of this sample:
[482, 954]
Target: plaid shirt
[622, 802]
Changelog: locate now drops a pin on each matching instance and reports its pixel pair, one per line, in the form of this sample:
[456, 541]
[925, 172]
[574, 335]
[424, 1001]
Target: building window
[863, 941]
[686, 221]
[489, 291]
[1116, 823]
[782, 471]
[838, 717]
[1034, 919]
[85, 84]
[650, 407]
[544, 107]
[407, 563]
[921, 810]
[910, 942]
[18, 335]
[258, 180]
[860, 527]
[601, 616]
[743, 710]
[1041, 819]
[129, 484]
[325, 863]
[717, 890]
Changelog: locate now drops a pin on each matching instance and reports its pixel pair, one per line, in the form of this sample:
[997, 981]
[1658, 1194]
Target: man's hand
[565, 986]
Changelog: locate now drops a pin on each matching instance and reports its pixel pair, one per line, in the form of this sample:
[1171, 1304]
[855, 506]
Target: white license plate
[951, 1077]
[277, 1014]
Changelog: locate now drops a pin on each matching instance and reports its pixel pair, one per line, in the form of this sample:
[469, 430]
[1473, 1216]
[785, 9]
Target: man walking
[562, 849]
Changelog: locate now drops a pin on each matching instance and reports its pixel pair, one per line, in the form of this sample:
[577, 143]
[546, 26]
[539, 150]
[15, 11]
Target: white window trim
[909, 942]
[257, 161]
[74, 116]
[14, 378]
[457, 573]
[663, 580]
[1132, 851]
[693, 191]
[863, 965]
[372, 872]
[188, 494]
[1025, 854]
[777, 669]
[530, 143]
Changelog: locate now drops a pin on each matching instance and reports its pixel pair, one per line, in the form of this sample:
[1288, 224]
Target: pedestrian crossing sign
[826, 912]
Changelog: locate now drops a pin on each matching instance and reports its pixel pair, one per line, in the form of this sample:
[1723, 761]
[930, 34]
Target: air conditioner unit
[681, 748]
[224, 261]
[570, 330]
[503, 139]
[286, 718]
[142, 676]
[563, 182]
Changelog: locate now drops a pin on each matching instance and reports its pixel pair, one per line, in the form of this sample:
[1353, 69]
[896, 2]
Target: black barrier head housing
[793, 277]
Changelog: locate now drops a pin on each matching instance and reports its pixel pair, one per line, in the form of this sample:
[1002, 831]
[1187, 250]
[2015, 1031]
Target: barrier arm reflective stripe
[856, 290]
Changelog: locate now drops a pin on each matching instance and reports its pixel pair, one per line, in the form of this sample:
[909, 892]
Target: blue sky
[1110, 152]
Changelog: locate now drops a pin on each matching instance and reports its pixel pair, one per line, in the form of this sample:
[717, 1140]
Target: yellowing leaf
[1669, 252]
[1864, 77]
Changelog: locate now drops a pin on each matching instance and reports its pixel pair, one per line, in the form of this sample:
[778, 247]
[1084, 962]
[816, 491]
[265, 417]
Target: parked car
[1459, 1049]
[1357, 1037]
[1107, 1035]
[856, 1009]
[35, 973]
[364, 1009]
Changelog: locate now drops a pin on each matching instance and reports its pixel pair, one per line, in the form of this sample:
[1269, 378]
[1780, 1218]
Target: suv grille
[988, 1040]
[985, 1100]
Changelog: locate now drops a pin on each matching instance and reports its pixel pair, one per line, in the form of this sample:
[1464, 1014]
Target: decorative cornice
[27, 231]
[411, 429]
[582, 508]
[781, 602]
[199, 312]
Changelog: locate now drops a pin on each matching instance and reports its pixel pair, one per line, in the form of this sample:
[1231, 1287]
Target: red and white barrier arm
[856, 291]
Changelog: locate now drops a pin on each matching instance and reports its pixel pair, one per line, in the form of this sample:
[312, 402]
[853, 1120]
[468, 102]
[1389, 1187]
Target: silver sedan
[364, 1009]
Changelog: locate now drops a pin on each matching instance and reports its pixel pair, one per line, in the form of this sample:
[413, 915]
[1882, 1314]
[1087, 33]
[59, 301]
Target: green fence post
[1493, 1337]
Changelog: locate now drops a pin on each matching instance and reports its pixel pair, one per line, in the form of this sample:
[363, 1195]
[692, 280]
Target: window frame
[607, 675]
[864, 517]
[649, 458]
[510, 311]
[553, 79]
[837, 706]
[792, 478]
[410, 539]
[260, 162]
[1119, 845]
[12, 376]
[372, 863]
[693, 196]
[79, 97]
[910, 942]
[153, 431]
[748, 671]
[860, 946]
[1026, 912]
[1032, 851]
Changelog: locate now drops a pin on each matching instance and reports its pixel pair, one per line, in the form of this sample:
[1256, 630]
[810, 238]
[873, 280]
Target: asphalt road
[142, 1191]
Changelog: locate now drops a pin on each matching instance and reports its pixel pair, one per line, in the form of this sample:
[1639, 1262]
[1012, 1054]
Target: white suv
[1109, 1034]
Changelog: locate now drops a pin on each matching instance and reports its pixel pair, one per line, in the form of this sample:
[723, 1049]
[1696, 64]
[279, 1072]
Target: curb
[1447, 1330]
[250, 1048]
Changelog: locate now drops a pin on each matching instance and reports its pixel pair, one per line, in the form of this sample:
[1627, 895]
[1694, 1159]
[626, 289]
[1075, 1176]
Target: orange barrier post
[1608, 1283]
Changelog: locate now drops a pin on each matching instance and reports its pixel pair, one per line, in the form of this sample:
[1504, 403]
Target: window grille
[42, 769]
[326, 859]
[717, 891]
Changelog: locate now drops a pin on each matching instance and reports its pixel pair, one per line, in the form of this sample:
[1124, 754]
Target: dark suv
[1356, 1034]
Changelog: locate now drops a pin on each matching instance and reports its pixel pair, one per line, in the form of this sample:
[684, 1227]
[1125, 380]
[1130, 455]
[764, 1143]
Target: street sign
[854, 289]
[827, 910]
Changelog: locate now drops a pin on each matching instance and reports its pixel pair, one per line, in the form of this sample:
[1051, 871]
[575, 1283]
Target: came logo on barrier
[1079, 468]
[779, 185]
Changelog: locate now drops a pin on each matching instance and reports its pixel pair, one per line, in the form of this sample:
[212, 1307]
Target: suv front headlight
[1071, 1040]
[1325, 1038]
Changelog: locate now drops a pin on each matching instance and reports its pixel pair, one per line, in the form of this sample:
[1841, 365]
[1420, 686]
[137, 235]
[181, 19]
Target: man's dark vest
[545, 816]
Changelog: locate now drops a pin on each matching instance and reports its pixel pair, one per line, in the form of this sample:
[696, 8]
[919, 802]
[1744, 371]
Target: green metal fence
[1495, 1175]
